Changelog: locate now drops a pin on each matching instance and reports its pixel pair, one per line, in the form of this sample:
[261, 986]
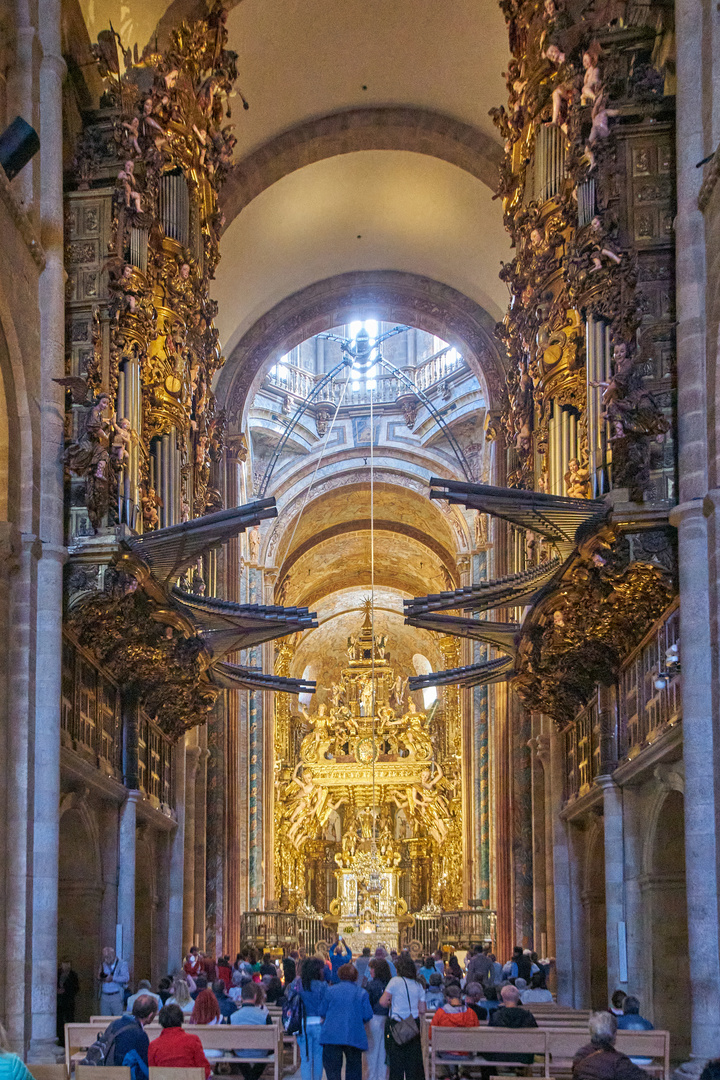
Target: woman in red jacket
[174, 1047]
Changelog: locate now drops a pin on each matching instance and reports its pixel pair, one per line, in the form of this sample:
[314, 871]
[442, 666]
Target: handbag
[405, 1030]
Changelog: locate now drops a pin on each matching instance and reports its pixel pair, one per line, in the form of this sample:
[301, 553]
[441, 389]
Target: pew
[556, 1045]
[224, 1037]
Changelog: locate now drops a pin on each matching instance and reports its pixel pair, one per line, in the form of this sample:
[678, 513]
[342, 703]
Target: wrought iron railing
[638, 710]
[298, 382]
[282, 929]
[460, 929]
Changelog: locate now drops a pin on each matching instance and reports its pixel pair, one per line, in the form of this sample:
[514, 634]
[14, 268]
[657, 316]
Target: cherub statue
[592, 84]
[122, 440]
[150, 502]
[128, 182]
[577, 480]
[132, 128]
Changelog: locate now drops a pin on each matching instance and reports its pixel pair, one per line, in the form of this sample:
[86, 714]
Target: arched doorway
[80, 894]
[667, 921]
[595, 919]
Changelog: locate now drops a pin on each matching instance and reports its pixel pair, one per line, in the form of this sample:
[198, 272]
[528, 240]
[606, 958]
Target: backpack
[293, 1011]
[102, 1051]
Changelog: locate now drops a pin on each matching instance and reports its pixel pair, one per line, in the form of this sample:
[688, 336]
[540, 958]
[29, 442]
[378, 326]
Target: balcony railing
[639, 711]
[91, 722]
[643, 710]
[297, 382]
[460, 929]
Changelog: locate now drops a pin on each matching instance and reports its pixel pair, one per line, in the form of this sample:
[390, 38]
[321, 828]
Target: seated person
[616, 1002]
[144, 989]
[537, 991]
[252, 1011]
[512, 1015]
[434, 995]
[473, 994]
[131, 1042]
[225, 1002]
[453, 1013]
[631, 1020]
[275, 993]
[175, 1048]
[599, 1060]
[490, 1002]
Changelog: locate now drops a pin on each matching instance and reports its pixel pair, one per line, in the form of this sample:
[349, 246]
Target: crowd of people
[369, 1005]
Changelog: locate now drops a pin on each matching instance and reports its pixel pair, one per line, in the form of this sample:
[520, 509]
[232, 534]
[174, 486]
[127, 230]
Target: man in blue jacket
[345, 1010]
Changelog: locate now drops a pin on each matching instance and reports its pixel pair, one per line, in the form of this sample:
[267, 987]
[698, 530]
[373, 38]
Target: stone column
[699, 737]
[542, 743]
[201, 840]
[562, 876]
[176, 857]
[127, 852]
[614, 875]
[48, 662]
[192, 756]
[539, 891]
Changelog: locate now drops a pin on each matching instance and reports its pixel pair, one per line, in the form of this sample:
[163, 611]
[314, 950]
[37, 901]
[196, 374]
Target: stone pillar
[201, 839]
[562, 876]
[699, 753]
[539, 892]
[192, 757]
[48, 659]
[176, 857]
[695, 555]
[614, 876]
[542, 743]
[127, 853]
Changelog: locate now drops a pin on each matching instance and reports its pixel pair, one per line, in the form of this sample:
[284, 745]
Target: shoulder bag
[404, 1031]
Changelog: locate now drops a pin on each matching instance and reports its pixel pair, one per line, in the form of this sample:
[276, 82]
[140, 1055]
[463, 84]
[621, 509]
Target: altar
[368, 907]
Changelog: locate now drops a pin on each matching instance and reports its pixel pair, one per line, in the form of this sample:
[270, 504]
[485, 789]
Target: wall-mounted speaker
[18, 143]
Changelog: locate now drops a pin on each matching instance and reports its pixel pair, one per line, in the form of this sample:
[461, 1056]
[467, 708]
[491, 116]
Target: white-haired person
[599, 1060]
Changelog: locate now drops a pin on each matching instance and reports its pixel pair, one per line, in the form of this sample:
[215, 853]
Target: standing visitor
[428, 968]
[175, 1048]
[455, 971]
[404, 996]
[478, 966]
[362, 963]
[345, 1010]
[340, 954]
[379, 972]
[312, 988]
[68, 985]
[114, 977]
[289, 966]
[225, 971]
[193, 964]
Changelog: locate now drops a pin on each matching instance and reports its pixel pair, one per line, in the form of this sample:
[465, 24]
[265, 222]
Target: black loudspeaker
[18, 143]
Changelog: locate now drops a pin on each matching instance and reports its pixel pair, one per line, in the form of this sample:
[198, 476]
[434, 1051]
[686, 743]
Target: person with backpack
[305, 997]
[124, 1042]
[345, 1010]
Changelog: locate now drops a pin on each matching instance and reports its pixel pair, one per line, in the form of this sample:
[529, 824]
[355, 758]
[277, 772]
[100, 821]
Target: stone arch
[17, 437]
[80, 897]
[595, 915]
[665, 906]
[393, 296]
[389, 127]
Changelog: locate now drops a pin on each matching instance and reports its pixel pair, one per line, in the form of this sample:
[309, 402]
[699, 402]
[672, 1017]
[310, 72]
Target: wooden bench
[224, 1037]
[288, 1040]
[479, 1041]
[564, 1043]
[557, 1046]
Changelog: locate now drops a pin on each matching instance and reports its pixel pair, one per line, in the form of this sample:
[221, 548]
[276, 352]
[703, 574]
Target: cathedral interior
[359, 473]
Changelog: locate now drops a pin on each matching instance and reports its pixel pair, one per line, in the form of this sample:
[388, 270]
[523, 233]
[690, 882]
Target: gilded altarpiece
[368, 804]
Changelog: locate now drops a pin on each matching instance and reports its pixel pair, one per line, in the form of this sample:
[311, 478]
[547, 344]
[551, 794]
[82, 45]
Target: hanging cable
[372, 612]
[319, 460]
